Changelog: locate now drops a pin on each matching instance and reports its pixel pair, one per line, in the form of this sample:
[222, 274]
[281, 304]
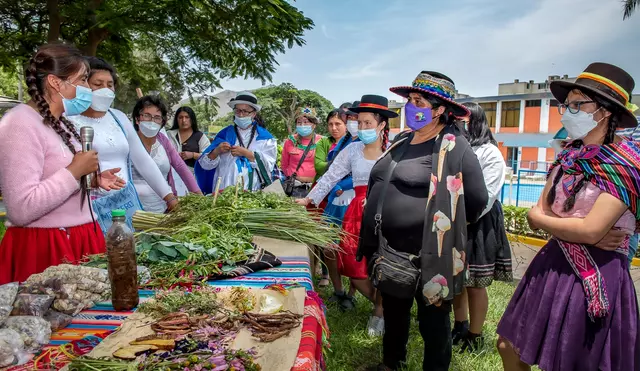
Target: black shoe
[472, 343]
[344, 301]
[459, 332]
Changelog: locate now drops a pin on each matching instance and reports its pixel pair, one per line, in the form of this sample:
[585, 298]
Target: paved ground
[523, 254]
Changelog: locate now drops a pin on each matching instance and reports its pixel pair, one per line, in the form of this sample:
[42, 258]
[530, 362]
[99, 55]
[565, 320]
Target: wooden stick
[215, 194]
[139, 93]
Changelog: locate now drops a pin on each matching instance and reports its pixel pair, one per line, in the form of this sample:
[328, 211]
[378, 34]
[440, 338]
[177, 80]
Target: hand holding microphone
[85, 162]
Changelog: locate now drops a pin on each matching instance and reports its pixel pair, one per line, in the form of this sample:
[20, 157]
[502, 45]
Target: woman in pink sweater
[41, 166]
[299, 151]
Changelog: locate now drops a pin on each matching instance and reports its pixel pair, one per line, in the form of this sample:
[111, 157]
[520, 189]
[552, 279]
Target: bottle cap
[118, 213]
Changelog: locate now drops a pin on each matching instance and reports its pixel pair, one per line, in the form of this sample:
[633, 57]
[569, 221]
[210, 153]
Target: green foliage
[630, 7]
[206, 108]
[9, 84]
[160, 46]
[3, 229]
[515, 221]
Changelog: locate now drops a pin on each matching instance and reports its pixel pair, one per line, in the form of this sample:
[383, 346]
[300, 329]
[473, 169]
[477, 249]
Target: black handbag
[290, 183]
[393, 272]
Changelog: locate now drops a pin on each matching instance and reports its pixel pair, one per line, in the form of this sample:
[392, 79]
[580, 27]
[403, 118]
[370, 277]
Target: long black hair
[192, 118]
[614, 121]
[147, 101]
[478, 128]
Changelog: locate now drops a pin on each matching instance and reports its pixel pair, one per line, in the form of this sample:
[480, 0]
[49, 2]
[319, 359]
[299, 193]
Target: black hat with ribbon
[608, 82]
[374, 104]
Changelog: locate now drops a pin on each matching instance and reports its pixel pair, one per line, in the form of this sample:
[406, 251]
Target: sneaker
[344, 301]
[459, 332]
[375, 327]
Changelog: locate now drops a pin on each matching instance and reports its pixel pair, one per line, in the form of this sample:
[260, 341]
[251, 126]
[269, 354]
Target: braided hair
[61, 60]
[385, 131]
[614, 120]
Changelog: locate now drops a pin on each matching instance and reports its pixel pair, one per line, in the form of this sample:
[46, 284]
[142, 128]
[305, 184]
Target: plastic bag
[12, 348]
[57, 320]
[8, 294]
[31, 305]
[34, 331]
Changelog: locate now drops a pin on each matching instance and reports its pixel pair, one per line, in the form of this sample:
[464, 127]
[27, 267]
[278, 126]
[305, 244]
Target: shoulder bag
[393, 272]
[290, 183]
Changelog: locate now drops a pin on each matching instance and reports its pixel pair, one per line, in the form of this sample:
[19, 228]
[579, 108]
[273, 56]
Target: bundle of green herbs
[243, 214]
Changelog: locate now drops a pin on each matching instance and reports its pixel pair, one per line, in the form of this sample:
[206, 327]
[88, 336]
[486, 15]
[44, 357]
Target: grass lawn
[352, 350]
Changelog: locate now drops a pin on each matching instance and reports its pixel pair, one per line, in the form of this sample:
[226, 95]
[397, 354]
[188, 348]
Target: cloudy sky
[366, 46]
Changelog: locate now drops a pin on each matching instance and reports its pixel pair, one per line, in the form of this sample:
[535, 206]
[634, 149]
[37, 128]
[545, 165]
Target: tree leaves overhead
[629, 7]
[160, 45]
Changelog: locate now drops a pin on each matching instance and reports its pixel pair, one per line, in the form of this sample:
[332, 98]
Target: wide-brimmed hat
[374, 104]
[306, 112]
[436, 85]
[349, 111]
[247, 98]
[608, 82]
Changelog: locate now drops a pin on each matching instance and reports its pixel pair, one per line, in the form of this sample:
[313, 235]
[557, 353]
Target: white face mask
[579, 124]
[149, 128]
[102, 99]
[352, 126]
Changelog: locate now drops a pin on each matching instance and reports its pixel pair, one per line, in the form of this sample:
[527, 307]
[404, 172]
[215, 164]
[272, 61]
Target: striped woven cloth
[294, 271]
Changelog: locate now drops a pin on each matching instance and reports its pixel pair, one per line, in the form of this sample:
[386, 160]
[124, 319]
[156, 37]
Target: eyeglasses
[574, 107]
[241, 112]
[149, 117]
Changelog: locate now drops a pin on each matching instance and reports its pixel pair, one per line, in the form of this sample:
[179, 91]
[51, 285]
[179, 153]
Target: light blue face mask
[304, 131]
[243, 122]
[368, 136]
[79, 104]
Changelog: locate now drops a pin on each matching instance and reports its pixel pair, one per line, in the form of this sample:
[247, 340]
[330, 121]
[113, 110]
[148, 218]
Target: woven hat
[608, 82]
[374, 104]
[247, 98]
[436, 85]
[306, 112]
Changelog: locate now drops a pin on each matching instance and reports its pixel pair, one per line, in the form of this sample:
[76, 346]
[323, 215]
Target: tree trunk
[54, 20]
[96, 36]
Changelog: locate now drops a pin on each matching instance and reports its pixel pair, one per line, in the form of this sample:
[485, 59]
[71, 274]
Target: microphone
[86, 137]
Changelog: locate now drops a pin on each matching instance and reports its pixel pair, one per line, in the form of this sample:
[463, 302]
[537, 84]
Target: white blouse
[148, 197]
[227, 170]
[349, 160]
[113, 147]
[493, 170]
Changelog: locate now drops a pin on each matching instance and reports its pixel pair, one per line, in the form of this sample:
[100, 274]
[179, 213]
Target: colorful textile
[315, 334]
[614, 169]
[294, 271]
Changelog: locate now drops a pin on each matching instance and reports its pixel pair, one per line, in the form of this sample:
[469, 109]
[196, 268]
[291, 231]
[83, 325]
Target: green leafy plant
[515, 222]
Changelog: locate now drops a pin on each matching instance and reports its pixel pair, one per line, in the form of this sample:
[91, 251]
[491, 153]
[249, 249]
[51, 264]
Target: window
[490, 110]
[510, 114]
[554, 103]
[534, 103]
[512, 158]
[542, 86]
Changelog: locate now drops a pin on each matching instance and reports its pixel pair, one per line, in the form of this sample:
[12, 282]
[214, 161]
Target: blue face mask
[368, 136]
[79, 104]
[304, 131]
[243, 122]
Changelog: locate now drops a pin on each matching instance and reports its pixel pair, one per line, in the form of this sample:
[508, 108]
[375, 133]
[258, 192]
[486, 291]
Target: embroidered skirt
[26, 251]
[547, 322]
[488, 250]
[347, 264]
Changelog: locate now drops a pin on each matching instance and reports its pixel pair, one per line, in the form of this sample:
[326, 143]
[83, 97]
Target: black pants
[435, 329]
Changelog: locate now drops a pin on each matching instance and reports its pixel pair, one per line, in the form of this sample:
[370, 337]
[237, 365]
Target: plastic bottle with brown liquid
[121, 257]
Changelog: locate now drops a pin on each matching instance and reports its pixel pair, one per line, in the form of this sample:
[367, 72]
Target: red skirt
[26, 251]
[347, 264]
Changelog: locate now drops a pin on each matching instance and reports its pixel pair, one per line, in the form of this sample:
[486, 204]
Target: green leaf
[183, 251]
[168, 251]
[154, 256]
[169, 243]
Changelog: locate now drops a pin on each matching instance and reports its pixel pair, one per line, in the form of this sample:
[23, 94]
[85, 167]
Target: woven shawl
[613, 168]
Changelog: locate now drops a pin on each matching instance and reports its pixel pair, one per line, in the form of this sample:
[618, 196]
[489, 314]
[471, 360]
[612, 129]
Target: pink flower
[450, 137]
[440, 279]
[454, 183]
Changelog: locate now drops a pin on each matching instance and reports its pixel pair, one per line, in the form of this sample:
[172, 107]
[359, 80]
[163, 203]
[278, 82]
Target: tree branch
[54, 20]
